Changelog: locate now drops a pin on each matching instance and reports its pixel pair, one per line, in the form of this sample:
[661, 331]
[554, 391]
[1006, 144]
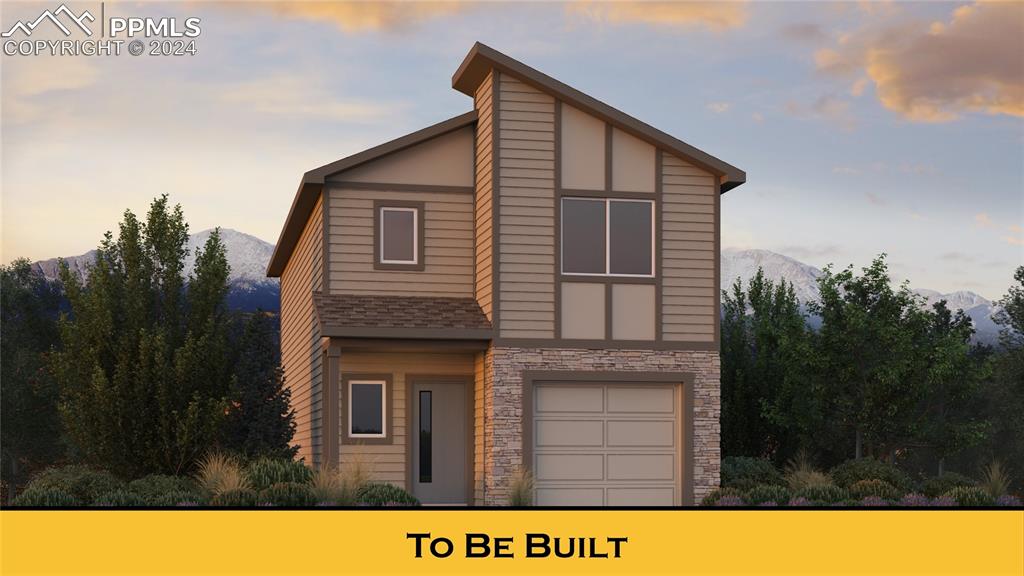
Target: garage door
[614, 444]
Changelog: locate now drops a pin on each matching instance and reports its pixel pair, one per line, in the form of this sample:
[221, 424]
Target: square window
[399, 235]
[607, 237]
[366, 409]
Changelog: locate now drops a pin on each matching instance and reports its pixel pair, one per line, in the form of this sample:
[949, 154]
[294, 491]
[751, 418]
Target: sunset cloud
[937, 71]
[25, 81]
[303, 97]
[712, 15]
[364, 16]
[984, 220]
[1013, 240]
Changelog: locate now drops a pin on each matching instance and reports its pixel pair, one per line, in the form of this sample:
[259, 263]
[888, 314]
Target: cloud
[937, 71]
[918, 216]
[303, 98]
[1015, 228]
[26, 80]
[958, 257]
[804, 32]
[757, 117]
[817, 252]
[719, 107]
[1014, 241]
[983, 220]
[358, 16]
[827, 107]
[846, 170]
[712, 15]
[875, 199]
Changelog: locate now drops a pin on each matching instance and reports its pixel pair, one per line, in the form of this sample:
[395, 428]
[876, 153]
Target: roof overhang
[312, 183]
[482, 58]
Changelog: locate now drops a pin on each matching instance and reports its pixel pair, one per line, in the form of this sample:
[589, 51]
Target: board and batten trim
[682, 380]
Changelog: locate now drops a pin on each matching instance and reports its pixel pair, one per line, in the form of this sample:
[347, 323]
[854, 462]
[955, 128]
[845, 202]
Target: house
[532, 284]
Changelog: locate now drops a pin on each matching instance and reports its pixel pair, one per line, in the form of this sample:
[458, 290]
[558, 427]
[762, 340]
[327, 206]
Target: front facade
[531, 286]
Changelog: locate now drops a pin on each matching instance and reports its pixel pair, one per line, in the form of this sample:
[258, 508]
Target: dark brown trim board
[325, 241]
[331, 440]
[469, 382]
[659, 269]
[402, 333]
[718, 266]
[389, 425]
[482, 58]
[607, 344]
[558, 222]
[385, 187]
[684, 380]
[361, 344]
[421, 257]
[312, 183]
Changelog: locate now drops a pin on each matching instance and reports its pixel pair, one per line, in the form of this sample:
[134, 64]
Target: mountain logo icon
[78, 20]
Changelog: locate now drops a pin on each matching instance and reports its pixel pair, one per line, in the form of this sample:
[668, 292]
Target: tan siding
[387, 462]
[446, 160]
[448, 250]
[483, 247]
[527, 190]
[688, 252]
[300, 334]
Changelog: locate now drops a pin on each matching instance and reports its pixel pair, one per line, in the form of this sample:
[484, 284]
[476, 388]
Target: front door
[439, 442]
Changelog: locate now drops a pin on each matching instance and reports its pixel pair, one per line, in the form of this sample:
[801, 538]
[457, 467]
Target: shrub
[746, 473]
[175, 498]
[873, 501]
[938, 485]
[862, 489]
[994, 480]
[520, 488]
[970, 496]
[219, 473]
[237, 497]
[263, 473]
[288, 494]
[730, 501]
[119, 498]
[381, 494]
[799, 502]
[819, 495]
[46, 496]
[852, 471]
[944, 502]
[1008, 501]
[767, 494]
[718, 493]
[915, 500]
[155, 486]
[326, 486]
[800, 473]
[82, 482]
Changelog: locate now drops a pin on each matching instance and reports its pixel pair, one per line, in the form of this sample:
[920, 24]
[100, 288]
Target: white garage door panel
[640, 399]
[577, 433]
[641, 433]
[613, 444]
[570, 467]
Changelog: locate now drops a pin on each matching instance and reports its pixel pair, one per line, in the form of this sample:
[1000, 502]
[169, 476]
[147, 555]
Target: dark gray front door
[439, 442]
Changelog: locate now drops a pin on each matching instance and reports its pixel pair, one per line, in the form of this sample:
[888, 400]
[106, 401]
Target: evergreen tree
[30, 425]
[260, 421]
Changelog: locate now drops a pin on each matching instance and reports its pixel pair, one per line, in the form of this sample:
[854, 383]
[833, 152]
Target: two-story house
[530, 285]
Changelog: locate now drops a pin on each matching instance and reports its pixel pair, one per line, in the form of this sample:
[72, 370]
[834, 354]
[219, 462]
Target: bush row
[880, 494]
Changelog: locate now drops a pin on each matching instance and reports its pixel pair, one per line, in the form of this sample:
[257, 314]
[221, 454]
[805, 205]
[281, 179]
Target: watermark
[116, 35]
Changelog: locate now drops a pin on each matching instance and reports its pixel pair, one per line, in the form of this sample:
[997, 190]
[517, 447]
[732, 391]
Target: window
[366, 408]
[426, 438]
[398, 236]
[607, 237]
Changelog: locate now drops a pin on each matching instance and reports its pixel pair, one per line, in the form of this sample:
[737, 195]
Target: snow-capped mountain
[744, 264]
[249, 288]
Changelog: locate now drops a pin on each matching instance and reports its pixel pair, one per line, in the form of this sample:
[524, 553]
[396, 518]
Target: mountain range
[250, 289]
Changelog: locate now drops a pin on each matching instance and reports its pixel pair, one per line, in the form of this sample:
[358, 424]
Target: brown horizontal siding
[448, 251]
[300, 334]
[688, 252]
[527, 195]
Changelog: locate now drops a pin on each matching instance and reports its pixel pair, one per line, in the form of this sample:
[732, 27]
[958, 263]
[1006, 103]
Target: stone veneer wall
[503, 388]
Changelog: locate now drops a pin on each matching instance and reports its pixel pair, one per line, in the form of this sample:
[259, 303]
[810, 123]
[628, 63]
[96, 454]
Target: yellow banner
[496, 541]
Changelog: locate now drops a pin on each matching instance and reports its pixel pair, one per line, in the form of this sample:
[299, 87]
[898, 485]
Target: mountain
[248, 287]
[744, 264]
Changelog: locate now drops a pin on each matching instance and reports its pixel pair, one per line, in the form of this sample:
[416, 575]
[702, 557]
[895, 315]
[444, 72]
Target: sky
[863, 127]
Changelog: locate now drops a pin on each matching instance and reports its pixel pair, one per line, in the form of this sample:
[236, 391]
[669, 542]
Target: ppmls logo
[166, 36]
[28, 28]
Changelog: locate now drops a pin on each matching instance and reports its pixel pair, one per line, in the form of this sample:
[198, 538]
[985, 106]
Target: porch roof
[406, 317]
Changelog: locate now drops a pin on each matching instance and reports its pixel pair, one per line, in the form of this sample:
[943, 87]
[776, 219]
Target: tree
[764, 359]
[1005, 389]
[143, 368]
[30, 426]
[260, 421]
[870, 364]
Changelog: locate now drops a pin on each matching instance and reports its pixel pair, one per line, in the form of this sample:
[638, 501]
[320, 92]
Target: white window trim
[607, 238]
[415, 234]
[383, 409]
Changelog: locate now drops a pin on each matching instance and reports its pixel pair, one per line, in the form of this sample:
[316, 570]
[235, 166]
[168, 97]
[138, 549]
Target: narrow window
[607, 237]
[366, 409]
[399, 235]
[426, 441]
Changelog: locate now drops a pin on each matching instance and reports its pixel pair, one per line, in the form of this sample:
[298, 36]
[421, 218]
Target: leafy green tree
[30, 425]
[765, 408]
[1005, 390]
[260, 421]
[143, 368]
[870, 357]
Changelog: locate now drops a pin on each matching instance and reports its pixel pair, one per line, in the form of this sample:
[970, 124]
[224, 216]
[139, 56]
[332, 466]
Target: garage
[606, 443]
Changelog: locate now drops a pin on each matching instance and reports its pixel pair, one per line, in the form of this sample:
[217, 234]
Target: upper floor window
[607, 237]
[399, 232]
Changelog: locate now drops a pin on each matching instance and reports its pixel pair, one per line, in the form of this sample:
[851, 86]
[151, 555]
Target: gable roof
[313, 181]
[482, 58]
